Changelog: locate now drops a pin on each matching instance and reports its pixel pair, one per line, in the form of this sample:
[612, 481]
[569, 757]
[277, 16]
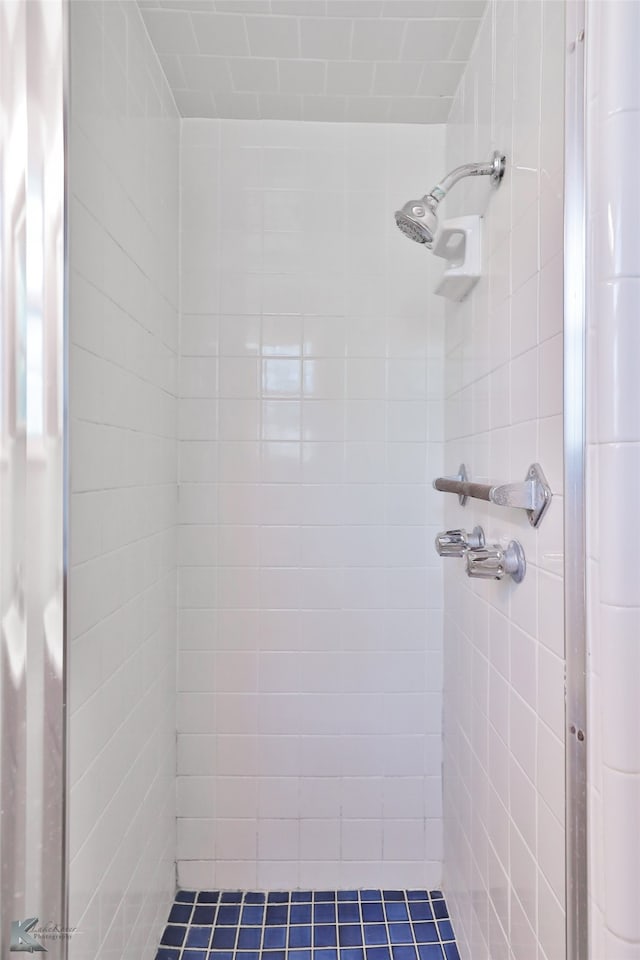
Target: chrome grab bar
[533, 494]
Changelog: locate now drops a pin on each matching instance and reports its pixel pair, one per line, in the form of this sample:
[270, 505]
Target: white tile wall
[356, 60]
[123, 323]
[613, 120]
[504, 645]
[309, 728]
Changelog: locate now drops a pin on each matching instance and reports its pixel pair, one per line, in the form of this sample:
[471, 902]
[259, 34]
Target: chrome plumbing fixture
[455, 543]
[495, 562]
[418, 219]
[533, 494]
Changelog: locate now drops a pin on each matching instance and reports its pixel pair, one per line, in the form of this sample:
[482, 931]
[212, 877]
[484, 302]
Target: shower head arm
[494, 168]
[418, 219]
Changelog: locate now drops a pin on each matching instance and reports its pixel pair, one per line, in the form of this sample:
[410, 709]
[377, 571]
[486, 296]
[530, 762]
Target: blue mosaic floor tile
[404, 952]
[180, 913]
[252, 916]
[166, 954]
[299, 954]
[224, 938]
[325, 954]
[206, 896]
[278, 898]
[440, 909]
[203, 915]
[400, 933]
[324, 935]
[430, 951]
[420, 910]
[249, 938]
[185, 896]
[350, 935]
[396, 911]
[378, 953]
[324, 913]
[275, 938]
[300, 913]
[228, 916]
[173, 936]
[306, 925]
[372, 912]
[348, 913]
[425, 932]
[352, 953]
[277, 915]
[375, 934]
[198, 937]
[300, 937]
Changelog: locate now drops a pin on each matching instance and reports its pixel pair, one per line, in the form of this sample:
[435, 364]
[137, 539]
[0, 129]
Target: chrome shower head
[418, 219]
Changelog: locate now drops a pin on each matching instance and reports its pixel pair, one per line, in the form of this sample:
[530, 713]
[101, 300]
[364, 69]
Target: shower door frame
[66, 467]
[574, 369]
[34, 420]
[575, 336]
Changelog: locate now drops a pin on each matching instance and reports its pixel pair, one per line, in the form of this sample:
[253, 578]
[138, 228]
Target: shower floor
[329, 925]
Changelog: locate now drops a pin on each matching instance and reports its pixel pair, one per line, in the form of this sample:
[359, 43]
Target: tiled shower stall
[262, 387]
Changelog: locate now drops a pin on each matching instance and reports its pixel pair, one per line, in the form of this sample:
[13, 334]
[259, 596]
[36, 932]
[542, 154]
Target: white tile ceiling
[372, 60]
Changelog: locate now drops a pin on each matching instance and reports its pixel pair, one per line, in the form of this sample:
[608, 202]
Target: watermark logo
[21, 939]
[25, 932]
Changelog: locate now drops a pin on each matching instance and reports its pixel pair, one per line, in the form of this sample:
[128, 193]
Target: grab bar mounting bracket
[462, 475]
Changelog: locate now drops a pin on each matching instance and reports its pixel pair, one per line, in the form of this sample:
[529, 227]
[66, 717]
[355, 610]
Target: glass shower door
[32, 456]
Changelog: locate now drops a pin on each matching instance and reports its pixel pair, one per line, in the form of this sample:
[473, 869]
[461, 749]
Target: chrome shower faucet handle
[456, 543]
[496, 562]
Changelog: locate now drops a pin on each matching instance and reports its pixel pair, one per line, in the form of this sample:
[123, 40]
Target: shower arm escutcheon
[533, 494]
[493, 168]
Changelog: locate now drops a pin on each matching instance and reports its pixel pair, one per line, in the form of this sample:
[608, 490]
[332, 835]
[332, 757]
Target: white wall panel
[310, 597]
[613, 121]
[504, 645]
[123, 325]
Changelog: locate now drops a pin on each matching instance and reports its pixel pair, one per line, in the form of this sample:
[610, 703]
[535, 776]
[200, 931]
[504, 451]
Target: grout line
[386, 922]
[263, 925]
[413, 932]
